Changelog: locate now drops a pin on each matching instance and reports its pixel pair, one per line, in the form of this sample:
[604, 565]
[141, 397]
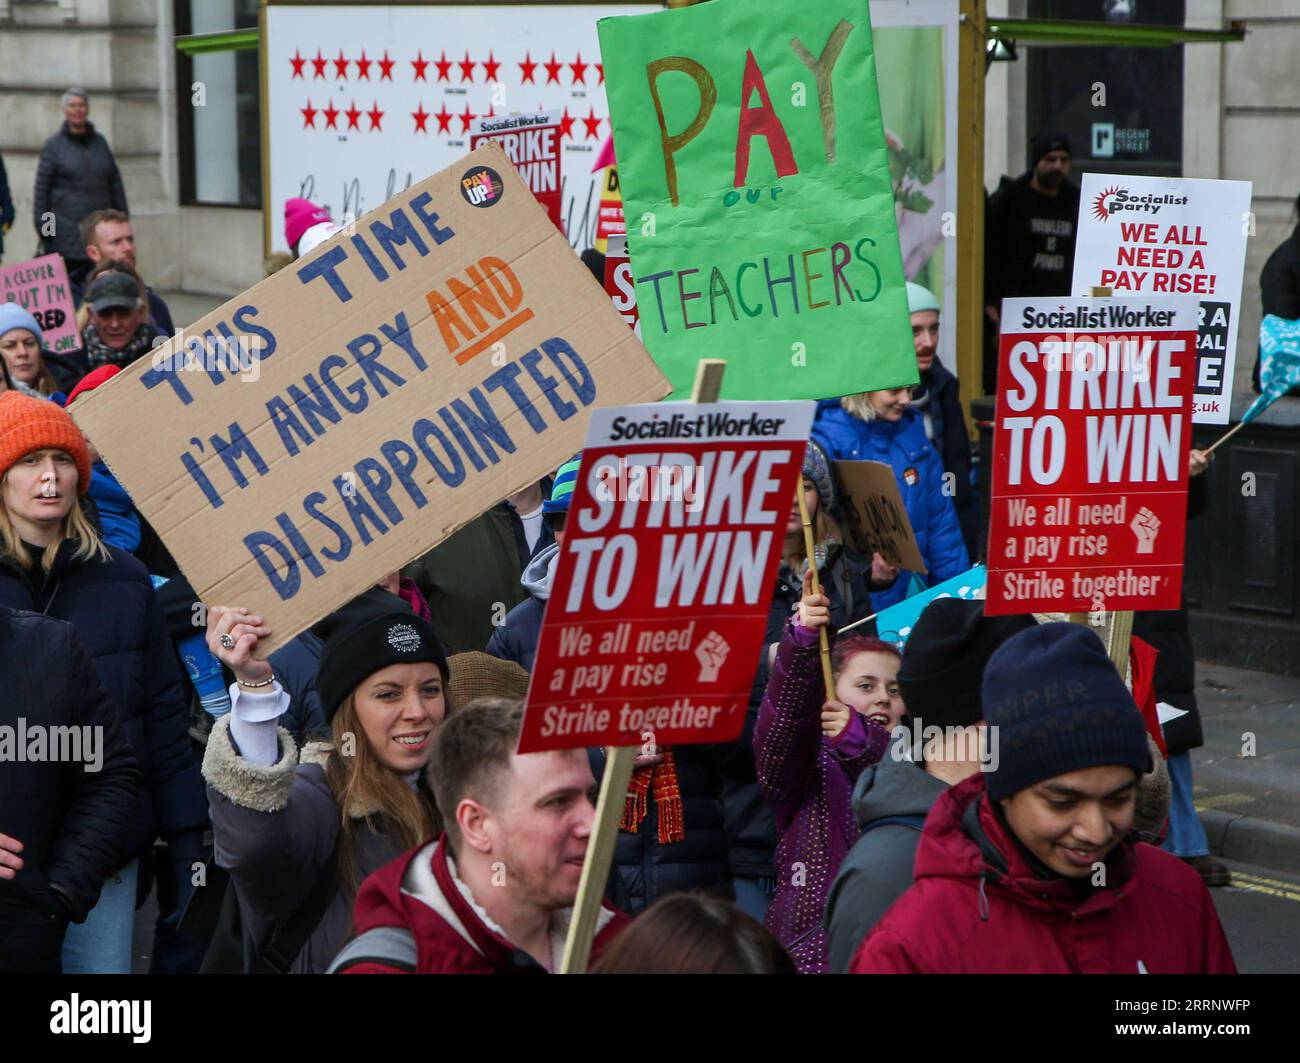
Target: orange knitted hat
[28, 424]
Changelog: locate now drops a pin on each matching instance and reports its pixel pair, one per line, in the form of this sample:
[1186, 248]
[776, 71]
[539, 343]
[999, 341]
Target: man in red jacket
[1030, 867]
[495, 893]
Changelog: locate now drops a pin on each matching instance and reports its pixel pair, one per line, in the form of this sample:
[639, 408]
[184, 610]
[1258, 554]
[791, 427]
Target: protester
[884, 426]
[494, 893]
[107, 236]
[55, 563]
[688, 933]
[810, 746]
[65, 822]
[21, 343]
[477, 675]
[7, 214]
[76, 175]
[1031, 867]
[516, 639]
[306, 226]
[299, 830]
[939, 680]
[118, 331]
[1279, 285]
[938, 402]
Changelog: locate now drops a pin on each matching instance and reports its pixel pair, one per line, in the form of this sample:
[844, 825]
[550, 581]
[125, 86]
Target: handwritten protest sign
[875, 516]
[40, 286]
[532, 143]
[761, 218]
[664, 580]
[619, 284]
[1089, 473]
[356, 408]
[1179, 236]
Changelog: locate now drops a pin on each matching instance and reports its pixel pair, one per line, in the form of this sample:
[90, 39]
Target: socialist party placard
[1176, 236]
[1088, 503]
[664, 578]
[532, 143]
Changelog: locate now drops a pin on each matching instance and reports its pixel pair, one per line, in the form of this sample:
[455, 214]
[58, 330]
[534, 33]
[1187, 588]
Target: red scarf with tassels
[662, 778]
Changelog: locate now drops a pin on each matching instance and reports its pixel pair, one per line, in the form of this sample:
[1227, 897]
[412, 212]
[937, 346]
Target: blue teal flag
[1279, 363]
[895, 623]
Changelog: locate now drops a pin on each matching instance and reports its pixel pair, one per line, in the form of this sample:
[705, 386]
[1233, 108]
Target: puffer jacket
[919, 471]
[118, 619]
[516, 640]
[979, 907]
[76, 175]
[75, 825]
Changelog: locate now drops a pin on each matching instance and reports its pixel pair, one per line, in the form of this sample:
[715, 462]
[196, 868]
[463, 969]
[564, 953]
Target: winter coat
[420, 893]
[808, 782]
[948, 425]
[878, 869]
[76, 826]
[120, 623]
[295, 665]
[751, 833]
[1279, 287]
[902, 445]
[1029, 241]
[67, 368]
[76, 176]
[978, 907]
[643, 869]
[6, 206]
[274, 829]
[516, 640]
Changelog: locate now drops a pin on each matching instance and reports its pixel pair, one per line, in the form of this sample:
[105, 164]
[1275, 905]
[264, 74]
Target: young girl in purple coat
[809, 752]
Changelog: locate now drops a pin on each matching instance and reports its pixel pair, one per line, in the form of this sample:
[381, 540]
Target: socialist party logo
[1118, 200]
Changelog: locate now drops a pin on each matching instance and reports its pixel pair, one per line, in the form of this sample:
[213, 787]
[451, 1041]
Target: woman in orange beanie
[53, 561]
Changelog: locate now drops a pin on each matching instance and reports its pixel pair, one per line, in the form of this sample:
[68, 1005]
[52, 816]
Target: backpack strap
[915, 821]
[392, 946]
[280, 952]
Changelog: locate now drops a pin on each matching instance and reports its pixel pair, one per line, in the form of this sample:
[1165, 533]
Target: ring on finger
[228, 641]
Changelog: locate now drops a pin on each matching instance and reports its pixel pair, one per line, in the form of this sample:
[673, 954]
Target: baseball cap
[112, 289]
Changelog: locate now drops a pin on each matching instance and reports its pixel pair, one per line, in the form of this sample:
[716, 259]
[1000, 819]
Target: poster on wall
[361, 101]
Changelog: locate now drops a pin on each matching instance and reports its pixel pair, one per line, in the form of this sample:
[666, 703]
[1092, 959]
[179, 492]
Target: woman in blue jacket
[882, 426]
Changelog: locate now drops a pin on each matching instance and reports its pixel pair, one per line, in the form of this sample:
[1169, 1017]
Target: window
[218, 97]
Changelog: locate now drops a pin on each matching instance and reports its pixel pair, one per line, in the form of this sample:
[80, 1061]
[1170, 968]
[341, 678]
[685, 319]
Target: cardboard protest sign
[619, 285]
[1174, 235]
[664, 579]
[1089, 472]
[350, 412]
[532, 143]
[895, 623]
[761, 219]
[874, 514]
[40, 286]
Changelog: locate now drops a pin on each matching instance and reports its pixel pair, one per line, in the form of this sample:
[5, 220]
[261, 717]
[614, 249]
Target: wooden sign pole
[810, 549]
[619, 762]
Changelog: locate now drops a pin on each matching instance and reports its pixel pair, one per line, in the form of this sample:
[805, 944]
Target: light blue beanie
[13, 316]
[919, 299]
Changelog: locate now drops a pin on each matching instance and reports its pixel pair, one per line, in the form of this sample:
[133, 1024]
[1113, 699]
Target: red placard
[1089, 475]
[664, 578]
[619, 282]
[532, 143]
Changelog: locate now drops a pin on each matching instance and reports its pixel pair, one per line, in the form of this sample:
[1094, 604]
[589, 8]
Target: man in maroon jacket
[494, 894]
[1030, 867]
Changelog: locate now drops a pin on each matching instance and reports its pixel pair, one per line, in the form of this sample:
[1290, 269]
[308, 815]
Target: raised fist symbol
[1146, 526]
[711, 653]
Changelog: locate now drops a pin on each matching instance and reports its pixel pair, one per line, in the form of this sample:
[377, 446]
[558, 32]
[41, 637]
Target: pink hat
[299, 216]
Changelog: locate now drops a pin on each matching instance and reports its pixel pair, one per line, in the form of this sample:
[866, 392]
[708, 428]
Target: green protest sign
[756, 187]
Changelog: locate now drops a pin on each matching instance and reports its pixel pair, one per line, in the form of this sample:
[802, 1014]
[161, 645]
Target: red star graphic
[340, 66]
[600, 69]
[490, 67]
[363, 65]
[376, 114]
[444, 67]
[566, 125]
[331, 113]
[444, 117]
[385, 67]
[318, 65]
[553, 71]
[593, 124]
[420, 63]
[579, 70]
[421, 116]
[354, 116]
[297, 62]
[467, 66]
[308, 116]
[466, 118]
[526, 69]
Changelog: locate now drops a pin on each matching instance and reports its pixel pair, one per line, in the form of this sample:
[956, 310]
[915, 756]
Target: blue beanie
[919, 298]
[13, 316]
[566, 479]
[817, 469]
[1059, 706]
